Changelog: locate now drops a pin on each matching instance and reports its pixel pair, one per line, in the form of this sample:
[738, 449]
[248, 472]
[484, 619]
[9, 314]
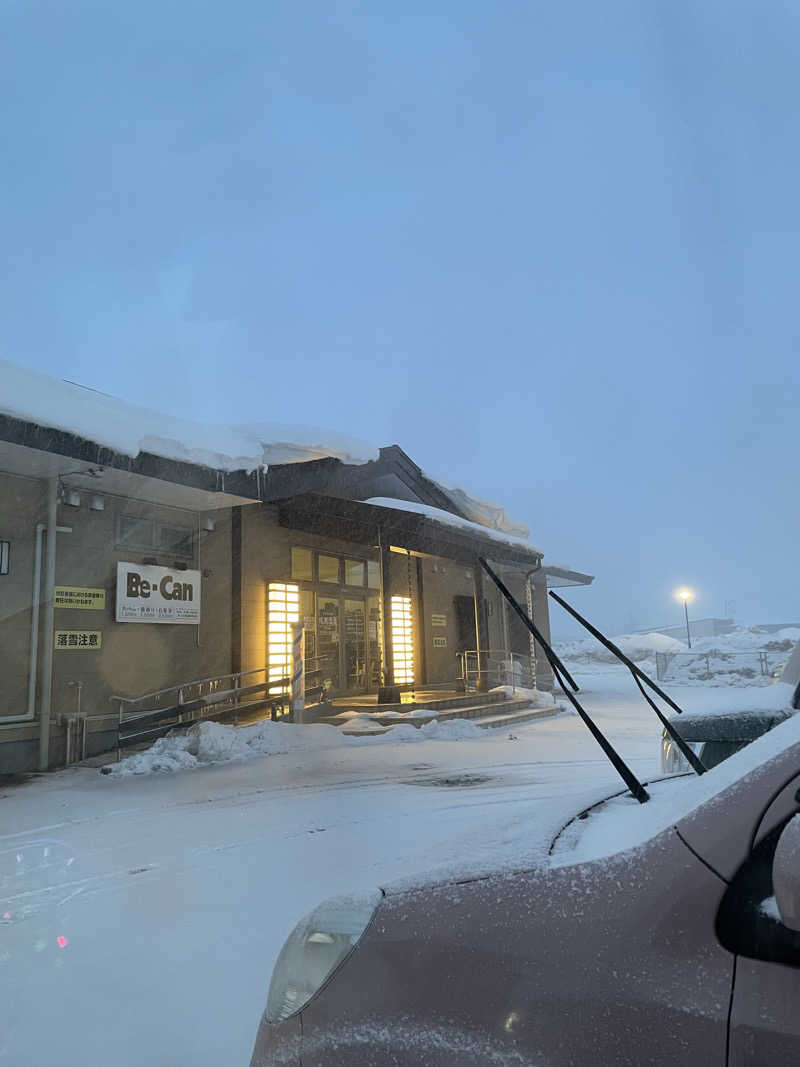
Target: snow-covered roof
[483, 512]
[130, 429]
[450, 520]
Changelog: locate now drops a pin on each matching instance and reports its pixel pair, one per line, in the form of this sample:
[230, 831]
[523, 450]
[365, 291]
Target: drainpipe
[49, 624]
[529, 598]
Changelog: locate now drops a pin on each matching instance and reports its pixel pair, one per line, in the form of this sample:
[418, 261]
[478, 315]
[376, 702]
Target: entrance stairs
[487, 710]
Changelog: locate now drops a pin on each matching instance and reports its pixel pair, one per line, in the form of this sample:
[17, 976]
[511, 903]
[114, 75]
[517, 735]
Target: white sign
[157, 594]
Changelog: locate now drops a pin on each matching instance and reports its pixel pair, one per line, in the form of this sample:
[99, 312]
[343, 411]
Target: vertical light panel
[402, 641]
[283, 608]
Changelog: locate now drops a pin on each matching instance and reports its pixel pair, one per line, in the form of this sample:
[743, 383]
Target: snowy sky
[548, 248]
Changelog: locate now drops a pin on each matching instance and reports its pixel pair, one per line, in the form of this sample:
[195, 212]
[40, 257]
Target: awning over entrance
[368, 524]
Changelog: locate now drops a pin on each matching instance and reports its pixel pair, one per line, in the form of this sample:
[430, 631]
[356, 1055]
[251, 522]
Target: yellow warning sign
[71, 596]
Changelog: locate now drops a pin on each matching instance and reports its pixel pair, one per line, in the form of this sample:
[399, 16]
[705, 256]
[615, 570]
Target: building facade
[164, 570]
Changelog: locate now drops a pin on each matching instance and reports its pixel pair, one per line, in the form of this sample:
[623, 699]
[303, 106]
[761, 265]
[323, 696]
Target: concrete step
[477, 708]
[493, 722]
[496, 714]
[424, 701]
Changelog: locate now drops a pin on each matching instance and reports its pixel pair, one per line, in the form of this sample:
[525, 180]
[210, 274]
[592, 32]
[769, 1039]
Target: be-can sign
[157, 594]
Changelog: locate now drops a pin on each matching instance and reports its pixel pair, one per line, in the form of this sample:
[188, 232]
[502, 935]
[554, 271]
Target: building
[699, 628]
[185, 552]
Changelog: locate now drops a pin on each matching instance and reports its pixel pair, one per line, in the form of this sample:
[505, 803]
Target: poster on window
[157, 594]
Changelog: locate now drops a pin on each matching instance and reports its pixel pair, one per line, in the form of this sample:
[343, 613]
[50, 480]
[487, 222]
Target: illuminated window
[328, 569]
[373, 574]
[402, 641]
[302, 567]
[353, 572]
[283, 608]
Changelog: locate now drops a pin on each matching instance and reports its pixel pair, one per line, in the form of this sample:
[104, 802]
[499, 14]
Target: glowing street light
[686, 595]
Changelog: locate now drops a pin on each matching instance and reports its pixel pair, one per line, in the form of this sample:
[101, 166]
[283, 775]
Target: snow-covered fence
[718, 666]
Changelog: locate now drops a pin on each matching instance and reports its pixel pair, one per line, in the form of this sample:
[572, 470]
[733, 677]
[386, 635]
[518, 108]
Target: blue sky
[550, 249]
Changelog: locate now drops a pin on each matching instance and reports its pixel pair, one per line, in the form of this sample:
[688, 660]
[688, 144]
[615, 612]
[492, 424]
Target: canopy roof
[373, 524]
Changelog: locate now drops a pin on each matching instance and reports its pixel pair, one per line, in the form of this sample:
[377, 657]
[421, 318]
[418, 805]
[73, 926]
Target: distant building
[186, 552]
[698, 628]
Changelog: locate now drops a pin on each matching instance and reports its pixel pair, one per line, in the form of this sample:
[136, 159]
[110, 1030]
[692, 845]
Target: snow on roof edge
[131, 429]
[451, 520]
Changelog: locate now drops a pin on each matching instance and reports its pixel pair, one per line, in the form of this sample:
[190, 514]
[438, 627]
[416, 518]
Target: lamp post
[686, 595]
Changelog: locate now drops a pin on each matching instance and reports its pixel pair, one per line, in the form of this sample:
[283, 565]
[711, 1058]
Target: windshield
[335, 340]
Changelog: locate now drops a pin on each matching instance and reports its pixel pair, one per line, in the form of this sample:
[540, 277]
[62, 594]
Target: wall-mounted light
[97, 503]
[208, 524]
[5, 553]
[72, 497]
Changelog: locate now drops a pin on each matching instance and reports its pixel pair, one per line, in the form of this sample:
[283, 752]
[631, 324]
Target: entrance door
[328, 645]
[355, 646]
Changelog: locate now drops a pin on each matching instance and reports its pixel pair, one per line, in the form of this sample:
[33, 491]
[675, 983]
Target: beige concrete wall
[22, 505]
[442, 580]
[135, 658]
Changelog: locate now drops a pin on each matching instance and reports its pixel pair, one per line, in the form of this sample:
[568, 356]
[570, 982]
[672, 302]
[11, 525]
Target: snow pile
[379, 717]
[538, 697]
[748, 656]
[213, 742]
[454, 730]
[638, 647]
[622, 823]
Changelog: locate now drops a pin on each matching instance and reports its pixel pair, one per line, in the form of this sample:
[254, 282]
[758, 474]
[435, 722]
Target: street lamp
[686, 595]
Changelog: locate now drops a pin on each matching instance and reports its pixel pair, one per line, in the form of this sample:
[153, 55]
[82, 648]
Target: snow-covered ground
[140, 915]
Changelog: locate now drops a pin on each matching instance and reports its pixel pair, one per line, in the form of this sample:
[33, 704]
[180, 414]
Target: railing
[496, 667]
[151, 715]
[703, 666]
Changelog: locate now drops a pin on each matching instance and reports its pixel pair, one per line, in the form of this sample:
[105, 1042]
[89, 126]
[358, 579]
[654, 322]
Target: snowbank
[748, 656]
[213, 742]
[537, 697]
[637, 647]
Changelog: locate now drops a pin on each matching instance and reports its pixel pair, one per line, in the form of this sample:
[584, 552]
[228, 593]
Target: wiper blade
[639, 676]
[560, 673]
[552, 658]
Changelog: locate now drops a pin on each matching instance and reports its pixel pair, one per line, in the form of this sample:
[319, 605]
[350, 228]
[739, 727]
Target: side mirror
[786, 874]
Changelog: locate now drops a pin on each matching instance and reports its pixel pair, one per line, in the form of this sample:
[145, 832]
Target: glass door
[355, 646]
[328, 644]
[374, 640]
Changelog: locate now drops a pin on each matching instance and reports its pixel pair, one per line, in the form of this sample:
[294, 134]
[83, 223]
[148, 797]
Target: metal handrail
[186, 685]
[480, 653]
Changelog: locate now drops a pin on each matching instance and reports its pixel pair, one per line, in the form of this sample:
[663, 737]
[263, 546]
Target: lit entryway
[284, 609]
[402, 641]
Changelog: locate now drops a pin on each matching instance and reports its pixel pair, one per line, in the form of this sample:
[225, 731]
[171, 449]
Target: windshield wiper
[639, 676]
[561, 673]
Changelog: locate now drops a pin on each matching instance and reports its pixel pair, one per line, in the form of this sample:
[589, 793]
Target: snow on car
[662, 931]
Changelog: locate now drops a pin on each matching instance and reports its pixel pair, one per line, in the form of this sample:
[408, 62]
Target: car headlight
[316, 946]
[673, 760]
